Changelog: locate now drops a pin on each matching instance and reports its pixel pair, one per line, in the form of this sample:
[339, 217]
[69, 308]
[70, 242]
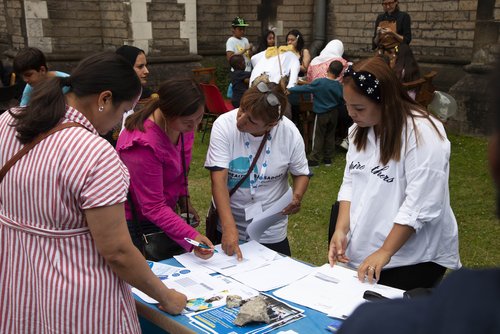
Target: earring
[101, 109]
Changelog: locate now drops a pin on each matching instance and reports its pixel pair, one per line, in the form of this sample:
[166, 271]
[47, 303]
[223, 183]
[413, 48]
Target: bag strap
[28, 147]
[254, 162]
[184, 170]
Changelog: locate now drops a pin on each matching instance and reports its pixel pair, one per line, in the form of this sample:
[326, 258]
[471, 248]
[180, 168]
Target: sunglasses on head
[271, 98]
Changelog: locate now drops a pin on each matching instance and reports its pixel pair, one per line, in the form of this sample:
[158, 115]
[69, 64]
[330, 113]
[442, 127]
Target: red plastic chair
[215, 104]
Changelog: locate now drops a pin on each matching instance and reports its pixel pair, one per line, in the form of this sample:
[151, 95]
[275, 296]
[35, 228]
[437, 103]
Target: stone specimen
[233, 301]
[253, 310]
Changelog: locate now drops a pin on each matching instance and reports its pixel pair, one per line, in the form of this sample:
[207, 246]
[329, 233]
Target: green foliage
[471, 190]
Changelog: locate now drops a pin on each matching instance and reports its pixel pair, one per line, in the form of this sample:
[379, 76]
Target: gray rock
[233, 301]
[253, 310]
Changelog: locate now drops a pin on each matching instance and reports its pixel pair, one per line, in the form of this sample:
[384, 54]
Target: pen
[198, 244]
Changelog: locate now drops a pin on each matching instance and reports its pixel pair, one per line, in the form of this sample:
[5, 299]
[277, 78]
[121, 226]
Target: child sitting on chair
[239, 78]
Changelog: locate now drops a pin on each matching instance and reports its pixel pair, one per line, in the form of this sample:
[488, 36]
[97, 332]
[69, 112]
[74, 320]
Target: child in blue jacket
[328, 97]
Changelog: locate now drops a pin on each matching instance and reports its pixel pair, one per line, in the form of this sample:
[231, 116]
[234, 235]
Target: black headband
[366, 82]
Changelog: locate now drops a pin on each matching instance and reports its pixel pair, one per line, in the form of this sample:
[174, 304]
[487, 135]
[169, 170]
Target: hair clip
[366, 82]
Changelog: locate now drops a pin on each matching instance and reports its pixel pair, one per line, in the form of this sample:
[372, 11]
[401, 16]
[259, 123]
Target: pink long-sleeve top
[156, 178]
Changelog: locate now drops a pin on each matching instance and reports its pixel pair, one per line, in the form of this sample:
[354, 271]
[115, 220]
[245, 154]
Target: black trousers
[420, 275]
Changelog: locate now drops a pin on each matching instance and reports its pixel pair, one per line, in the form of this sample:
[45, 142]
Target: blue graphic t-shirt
[286, 155]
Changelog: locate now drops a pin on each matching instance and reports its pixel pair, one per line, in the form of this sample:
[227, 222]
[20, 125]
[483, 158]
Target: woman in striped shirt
[65, 251]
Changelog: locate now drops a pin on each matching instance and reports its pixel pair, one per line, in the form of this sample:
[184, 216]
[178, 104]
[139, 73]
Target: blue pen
[198, 244]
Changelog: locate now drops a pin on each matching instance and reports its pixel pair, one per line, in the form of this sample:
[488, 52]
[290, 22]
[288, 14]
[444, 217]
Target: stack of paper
[254, 256]
[274, 274]
[335, 291]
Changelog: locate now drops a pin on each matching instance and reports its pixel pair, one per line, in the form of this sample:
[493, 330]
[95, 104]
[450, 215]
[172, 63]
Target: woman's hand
[230, 244]
[338, 245]
[371, 267]
[202, 252]
[292, 208]
[173, 302]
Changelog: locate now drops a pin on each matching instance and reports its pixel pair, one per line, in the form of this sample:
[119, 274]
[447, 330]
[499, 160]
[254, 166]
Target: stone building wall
[13, 32]
[165, 16]
[440, 29]
[214, 23]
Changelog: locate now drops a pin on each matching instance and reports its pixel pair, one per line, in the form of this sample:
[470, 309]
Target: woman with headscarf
[318, 69]
[319, 65]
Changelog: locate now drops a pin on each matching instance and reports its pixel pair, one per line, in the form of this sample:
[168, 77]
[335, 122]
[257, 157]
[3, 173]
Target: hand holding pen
[203, 246]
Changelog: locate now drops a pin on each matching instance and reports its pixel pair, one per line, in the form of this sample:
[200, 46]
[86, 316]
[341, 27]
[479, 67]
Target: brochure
[220, 320]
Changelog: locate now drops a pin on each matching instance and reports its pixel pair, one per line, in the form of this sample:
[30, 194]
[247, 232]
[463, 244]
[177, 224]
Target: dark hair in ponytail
[176, 98]
[93, 75]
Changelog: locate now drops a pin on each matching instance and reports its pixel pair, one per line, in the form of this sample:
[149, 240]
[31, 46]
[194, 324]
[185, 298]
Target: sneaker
[327, 162]
[345, 144]
[312, 163]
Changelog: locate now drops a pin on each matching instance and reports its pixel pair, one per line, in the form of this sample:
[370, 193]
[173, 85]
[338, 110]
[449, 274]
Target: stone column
[188, 26]
[472, 91]
[142, 31]
[35, 11]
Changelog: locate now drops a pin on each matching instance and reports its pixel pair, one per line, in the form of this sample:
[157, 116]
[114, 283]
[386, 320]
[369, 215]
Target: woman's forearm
[343, 219]
[397, 237]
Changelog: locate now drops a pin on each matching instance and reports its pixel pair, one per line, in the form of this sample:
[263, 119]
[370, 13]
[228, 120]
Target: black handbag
[212, 216]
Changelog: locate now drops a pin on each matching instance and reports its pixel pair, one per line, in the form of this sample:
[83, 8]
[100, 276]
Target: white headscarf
[334, 49]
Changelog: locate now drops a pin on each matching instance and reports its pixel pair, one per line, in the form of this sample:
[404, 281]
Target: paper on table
[194, 263]
[161, 269]
[264, 220]
[335, 291]
[271, 276]
[191, 284]
[231, 287]
[254, 255]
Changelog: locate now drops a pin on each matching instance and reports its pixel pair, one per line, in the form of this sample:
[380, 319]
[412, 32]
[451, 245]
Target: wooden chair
[215, 105]
[424, 87]
[204, 75]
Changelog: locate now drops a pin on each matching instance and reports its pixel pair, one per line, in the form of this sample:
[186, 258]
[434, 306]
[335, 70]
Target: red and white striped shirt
[52, 278]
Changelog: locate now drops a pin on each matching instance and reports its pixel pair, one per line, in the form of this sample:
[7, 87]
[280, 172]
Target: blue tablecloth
[314, 322]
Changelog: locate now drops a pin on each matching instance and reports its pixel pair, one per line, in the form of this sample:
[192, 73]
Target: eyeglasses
[271, 99]
[388, 3]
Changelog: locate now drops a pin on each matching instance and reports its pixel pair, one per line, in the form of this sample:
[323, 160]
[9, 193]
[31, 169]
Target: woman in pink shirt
[153, 145]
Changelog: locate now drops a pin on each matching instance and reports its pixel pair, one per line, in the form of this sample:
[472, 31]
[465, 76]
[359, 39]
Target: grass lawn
[472, 199]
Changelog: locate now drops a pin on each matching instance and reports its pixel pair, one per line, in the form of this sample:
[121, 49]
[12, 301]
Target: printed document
[265, 219]
[271, 276]
[335, 291]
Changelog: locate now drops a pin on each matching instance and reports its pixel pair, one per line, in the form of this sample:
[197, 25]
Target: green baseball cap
[239, 22]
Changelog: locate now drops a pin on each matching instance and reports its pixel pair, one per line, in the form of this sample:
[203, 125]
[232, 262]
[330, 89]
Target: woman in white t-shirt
[234, 142]
[395, 223]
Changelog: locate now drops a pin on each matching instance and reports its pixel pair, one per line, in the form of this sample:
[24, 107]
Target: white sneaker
[345, 144]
